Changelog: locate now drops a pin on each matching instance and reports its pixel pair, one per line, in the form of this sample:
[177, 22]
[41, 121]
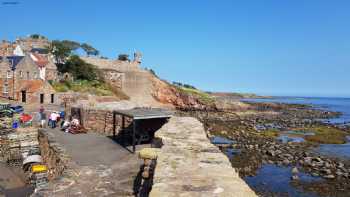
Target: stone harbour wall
[54, 156]
[189, 165]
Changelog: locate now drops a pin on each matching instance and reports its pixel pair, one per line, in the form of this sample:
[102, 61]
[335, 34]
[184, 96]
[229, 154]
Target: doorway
[52, 98]
[24, 96]
[41, 98]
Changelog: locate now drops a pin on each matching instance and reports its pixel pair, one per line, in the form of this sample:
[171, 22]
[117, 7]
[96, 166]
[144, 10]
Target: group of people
[69, 124]
[54, 118]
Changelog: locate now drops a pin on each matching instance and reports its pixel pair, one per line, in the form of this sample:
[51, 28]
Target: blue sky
[266, 47]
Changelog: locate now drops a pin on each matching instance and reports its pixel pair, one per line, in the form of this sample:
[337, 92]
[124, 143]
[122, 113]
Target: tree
[37, 36]
[89, 50]
[80, 69]
[72, 45]
[123, 57]
[60, 51]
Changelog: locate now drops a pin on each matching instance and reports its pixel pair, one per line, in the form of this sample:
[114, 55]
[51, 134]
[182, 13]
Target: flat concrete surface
[105, 168]
[91, 149]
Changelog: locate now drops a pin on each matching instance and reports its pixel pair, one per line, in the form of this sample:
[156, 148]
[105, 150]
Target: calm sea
[332, 104]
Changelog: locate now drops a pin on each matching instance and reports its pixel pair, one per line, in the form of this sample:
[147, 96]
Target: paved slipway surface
[101, 167]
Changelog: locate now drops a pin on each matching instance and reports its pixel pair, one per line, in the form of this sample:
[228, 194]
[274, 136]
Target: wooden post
[134, 136]
[114, 124]
[123, 122]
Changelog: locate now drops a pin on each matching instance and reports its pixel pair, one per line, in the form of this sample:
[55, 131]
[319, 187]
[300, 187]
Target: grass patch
[92, 87]
[326, 135]
[203, 97]
[270, 133]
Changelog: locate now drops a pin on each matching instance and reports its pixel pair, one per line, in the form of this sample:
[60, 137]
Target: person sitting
[65, 126]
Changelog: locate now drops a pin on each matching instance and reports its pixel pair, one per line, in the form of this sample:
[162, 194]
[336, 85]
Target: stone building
[26, 45]
[26, 68]
[26, 78]
[113, 69]
[6, 48]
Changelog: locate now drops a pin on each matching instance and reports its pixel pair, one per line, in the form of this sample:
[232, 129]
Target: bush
[37, 36]
[123, 57]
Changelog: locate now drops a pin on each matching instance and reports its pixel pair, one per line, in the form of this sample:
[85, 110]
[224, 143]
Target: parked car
[17, 109]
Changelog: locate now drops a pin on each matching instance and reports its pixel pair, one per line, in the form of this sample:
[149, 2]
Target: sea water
[331, 104]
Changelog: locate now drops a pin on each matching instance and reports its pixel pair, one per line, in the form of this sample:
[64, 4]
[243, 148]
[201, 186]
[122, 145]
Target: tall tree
[89, 50]
[72, 45]
[60, 51]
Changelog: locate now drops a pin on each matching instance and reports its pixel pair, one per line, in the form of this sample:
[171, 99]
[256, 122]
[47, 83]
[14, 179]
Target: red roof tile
[40, 60]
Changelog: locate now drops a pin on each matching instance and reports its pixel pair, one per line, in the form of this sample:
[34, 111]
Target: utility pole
[13, 84]
[13, 79]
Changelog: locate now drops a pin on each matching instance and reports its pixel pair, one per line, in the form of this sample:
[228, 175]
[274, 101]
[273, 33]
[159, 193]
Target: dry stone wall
[101, 121]
[54, 156]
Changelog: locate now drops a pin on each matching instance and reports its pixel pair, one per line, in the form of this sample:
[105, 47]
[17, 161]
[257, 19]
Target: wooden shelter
[138, 114]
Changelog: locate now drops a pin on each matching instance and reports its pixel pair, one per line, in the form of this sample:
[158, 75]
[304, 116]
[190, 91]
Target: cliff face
[168, 94]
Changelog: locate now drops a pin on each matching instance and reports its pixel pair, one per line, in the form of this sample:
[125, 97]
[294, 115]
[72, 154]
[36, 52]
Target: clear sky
[295, 47]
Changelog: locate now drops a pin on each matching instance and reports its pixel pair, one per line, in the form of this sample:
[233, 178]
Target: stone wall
[54, 156]
[51, 74]
[100, 121]
[189, 165]
[114, 77]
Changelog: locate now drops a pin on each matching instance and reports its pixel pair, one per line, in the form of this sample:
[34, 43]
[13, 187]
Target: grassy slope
[203, 97]
[92, 87]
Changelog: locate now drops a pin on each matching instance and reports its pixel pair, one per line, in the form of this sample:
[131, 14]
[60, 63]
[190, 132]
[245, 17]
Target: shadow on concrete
[144, 135]
[143, 186]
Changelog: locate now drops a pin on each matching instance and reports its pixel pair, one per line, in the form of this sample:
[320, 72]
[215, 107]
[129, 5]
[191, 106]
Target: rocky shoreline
[248, 130]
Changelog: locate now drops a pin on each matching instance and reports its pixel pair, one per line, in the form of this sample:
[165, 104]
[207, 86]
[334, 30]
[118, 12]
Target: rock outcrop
[189, 165]
[168, 94]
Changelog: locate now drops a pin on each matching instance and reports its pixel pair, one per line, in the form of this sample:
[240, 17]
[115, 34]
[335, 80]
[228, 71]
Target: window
[41, 98]
[8, 74]
[5, 89]
[28, 75]
[35, 75]
[20, 74]
[52, 98]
